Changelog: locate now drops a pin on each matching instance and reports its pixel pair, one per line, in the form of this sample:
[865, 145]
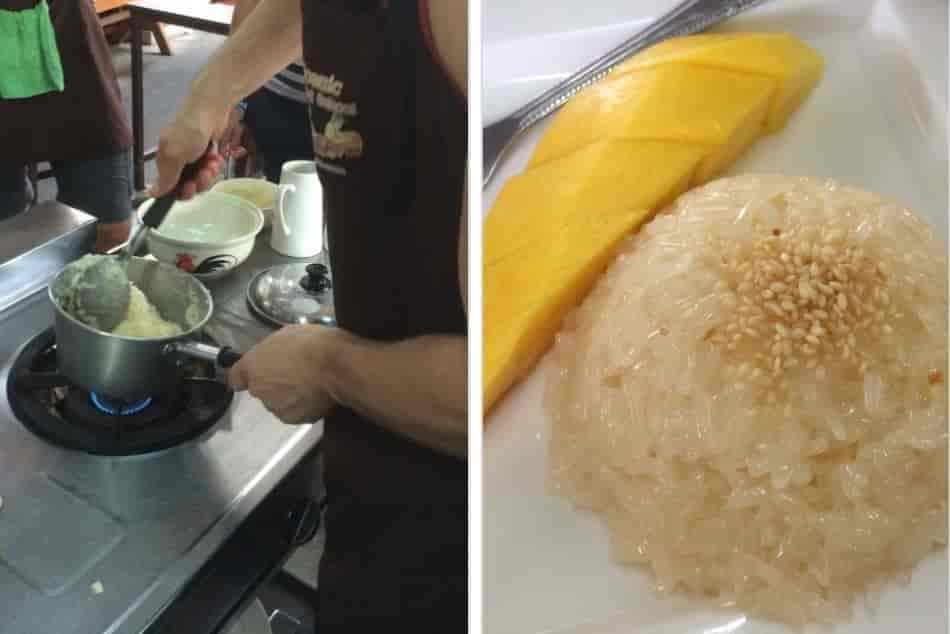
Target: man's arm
[242, 9]
[416, 387]
[267, 41]
[449, 21]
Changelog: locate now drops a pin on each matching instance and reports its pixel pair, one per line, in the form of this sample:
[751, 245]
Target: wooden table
[112, 13]
[194, 14]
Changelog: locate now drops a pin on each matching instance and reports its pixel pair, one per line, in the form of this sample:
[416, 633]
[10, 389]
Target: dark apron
[389, 135]
[87, 119]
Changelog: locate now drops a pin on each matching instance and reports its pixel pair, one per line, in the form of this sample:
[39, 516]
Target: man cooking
[60, 102]
[386, 92]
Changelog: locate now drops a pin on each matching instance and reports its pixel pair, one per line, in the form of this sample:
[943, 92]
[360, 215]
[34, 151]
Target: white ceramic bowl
[257, 191]
[208, 236]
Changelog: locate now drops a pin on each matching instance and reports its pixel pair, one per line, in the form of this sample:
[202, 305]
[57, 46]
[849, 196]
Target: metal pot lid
[293, 294]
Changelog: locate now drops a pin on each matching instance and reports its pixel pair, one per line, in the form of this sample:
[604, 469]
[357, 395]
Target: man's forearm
[416, 387]
[267, 40]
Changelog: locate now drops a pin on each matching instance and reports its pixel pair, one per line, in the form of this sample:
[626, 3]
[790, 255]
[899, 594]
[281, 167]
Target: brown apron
[389, 133]
[87, 119]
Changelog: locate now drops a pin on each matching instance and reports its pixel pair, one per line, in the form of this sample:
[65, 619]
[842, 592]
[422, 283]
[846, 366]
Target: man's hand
[284, 371]
[199, 121]
[232, 141]
[267, 41]
[415, 387]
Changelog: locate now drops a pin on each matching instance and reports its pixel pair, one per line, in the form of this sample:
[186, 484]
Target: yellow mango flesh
[611, 174]
[527, 294]
[783, 57]
[672, 117]
[722, 110]
[552, 232]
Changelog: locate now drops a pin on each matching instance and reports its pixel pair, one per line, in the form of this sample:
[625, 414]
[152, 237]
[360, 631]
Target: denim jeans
[101, 187]
[280, 128]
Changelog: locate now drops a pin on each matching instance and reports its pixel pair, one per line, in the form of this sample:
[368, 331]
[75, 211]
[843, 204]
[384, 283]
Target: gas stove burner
[118, 408]
[50, 406]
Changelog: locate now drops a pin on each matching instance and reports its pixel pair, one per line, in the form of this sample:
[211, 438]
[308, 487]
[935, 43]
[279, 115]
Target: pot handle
[283, 191]
[225, 357]
[228, 357]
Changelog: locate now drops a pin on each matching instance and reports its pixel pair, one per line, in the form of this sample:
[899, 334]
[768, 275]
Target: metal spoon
[103, 288]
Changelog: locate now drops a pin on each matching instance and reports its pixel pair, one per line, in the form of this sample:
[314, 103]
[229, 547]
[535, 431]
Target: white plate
[877, 120]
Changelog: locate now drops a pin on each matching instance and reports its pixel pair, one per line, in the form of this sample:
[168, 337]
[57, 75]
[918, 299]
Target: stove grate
[47, 404]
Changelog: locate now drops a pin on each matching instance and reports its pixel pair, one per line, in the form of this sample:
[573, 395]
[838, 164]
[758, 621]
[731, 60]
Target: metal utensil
[104, 291]
[686, 18]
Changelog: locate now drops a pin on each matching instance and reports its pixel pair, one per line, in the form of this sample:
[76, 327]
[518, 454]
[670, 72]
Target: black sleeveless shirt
[389, 132]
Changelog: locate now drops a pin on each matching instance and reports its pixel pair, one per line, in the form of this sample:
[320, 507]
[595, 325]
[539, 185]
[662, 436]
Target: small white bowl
[257, 191]
[208, 236]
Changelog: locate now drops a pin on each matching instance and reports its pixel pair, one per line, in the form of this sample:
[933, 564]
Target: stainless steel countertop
[39, 225]
[34, 244]
[140, 526]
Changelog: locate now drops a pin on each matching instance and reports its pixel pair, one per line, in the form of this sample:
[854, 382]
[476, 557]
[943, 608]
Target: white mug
[297, 228]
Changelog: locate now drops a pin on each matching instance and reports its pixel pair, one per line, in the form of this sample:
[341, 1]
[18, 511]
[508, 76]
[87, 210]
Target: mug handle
[283, 191]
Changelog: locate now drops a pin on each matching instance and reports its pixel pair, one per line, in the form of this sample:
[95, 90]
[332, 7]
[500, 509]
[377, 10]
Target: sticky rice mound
[753, 397]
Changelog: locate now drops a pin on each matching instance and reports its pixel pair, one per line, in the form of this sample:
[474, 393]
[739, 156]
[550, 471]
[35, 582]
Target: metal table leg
[138, 115]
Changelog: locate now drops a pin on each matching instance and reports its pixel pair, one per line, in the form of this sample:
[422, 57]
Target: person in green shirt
[60, 103]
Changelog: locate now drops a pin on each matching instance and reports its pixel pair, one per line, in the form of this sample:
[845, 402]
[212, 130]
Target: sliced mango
[552, 232]
[720, 109]
[782, 56]
[607, 175]
[672, 117]
[527, 294]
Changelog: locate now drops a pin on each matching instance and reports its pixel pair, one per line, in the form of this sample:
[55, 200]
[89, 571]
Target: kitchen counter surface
[103, 544]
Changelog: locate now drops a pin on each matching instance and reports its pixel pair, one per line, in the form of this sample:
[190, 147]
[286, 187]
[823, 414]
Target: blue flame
[114, 409]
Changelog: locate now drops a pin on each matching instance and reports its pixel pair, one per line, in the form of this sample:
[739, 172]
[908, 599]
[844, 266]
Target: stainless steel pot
[130, 368]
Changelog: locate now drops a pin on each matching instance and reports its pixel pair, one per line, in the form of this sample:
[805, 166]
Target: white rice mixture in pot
[753, 396]
[143, 320]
